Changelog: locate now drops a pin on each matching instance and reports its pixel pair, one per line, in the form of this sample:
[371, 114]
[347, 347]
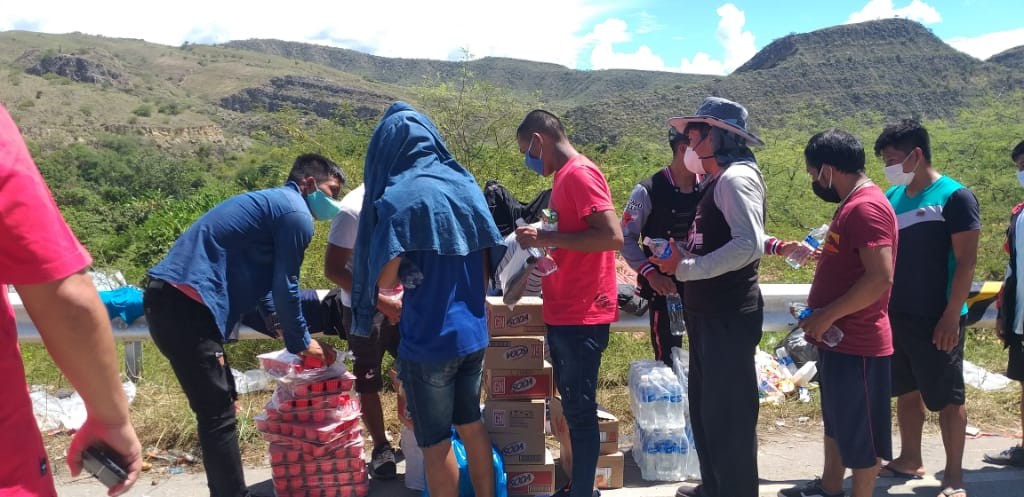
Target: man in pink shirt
[580, 298]
[44, 262]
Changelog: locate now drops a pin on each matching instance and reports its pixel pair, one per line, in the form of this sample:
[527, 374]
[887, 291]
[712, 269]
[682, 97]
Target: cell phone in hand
[103, 467]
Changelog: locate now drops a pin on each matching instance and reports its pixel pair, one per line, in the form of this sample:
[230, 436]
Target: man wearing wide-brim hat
[723, 304]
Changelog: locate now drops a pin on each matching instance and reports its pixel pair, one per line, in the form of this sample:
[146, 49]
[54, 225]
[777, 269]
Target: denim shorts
[441, 394]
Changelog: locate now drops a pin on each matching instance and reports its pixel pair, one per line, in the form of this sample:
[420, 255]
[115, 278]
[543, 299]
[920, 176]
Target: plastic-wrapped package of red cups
[297, 386]
[281, 453]
[316, 443]
[294, 477]
[353, 490]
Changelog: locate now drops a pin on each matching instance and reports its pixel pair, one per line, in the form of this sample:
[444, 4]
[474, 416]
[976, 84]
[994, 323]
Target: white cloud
[987, 45]
[702, 63]
[739, 45]
[647, 23]
[604, 56]
[917, 10]
[397, 28]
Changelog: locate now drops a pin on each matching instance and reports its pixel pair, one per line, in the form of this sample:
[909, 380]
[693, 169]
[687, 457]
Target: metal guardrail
[776, 318]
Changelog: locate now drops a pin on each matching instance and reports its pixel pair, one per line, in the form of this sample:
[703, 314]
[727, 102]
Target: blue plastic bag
[465, 485]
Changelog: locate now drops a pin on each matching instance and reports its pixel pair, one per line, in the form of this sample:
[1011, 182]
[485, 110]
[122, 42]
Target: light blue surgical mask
[535, 164]
[322, 207]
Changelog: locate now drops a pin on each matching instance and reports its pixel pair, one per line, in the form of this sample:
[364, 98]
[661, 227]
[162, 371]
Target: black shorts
[1015, 364]
[855, 406]
[918, 365]
[369, 353]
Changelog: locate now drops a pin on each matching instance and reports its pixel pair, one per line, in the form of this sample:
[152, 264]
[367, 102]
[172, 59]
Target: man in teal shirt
[939, 224]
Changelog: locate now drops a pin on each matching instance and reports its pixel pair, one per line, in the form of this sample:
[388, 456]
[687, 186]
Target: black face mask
[827, 194]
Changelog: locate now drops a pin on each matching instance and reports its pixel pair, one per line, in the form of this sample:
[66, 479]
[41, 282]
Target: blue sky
[693, 36]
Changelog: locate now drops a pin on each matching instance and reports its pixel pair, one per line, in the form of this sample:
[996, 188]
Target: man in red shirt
[44, 262]
[580, 298]
[851, 292]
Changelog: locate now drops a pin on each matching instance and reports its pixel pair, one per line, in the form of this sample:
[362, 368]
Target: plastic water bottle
[811, 242]
[674, 305]
[660, 247]
[831, 337]
[786, 361]
[395, 293]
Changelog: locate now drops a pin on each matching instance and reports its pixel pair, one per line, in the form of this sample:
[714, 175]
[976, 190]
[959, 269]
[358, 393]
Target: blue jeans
[576, 357]
[441, 394]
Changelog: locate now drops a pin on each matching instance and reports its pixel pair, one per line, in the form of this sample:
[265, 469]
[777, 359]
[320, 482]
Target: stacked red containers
[312, 424]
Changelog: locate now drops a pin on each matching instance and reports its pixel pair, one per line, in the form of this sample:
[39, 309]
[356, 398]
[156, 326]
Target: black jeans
[662, 339]
[576, 356]
[723, 401]
[185, 332]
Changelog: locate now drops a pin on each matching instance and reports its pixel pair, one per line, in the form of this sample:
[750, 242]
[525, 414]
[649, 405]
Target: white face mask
[692, 162]
[1020, 177]
[894, 174]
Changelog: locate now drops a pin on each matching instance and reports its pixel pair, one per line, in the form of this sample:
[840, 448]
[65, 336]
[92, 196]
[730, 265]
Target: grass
[163, 420]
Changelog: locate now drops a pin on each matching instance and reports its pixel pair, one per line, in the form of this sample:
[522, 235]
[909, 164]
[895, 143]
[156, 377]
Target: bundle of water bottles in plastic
[663, 443]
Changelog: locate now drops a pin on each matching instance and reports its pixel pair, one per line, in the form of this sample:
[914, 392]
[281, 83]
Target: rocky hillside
[1012, 59]
[891, 67]
[66, 88]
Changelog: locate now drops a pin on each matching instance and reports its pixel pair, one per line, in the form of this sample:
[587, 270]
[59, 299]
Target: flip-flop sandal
[895, 473]
[950, 492]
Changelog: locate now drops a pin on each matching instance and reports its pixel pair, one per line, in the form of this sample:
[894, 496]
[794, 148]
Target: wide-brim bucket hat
[720, 113]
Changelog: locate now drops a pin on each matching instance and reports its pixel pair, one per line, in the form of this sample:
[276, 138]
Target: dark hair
[317, 166]
[904, 136]
[541, 121]
[675, 138]
[1017, 151]
[836, 148]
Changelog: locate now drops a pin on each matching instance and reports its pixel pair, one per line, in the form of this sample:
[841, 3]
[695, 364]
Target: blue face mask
[534, 164]
[321, 206]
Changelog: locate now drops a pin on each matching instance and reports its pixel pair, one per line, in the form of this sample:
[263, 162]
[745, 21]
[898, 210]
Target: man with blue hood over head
[723, 304]
[425, 226]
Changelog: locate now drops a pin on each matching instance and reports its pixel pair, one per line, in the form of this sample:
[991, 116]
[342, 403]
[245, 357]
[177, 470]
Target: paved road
[785, 458]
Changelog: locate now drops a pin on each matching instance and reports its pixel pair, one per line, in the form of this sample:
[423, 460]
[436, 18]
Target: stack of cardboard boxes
[518, 381]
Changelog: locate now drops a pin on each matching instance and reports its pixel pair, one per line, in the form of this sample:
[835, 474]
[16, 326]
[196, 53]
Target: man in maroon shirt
[851, 292]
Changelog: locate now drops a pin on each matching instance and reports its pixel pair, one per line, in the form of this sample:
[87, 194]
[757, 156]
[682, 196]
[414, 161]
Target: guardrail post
[133, 359]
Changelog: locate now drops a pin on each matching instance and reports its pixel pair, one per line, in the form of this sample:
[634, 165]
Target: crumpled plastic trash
[979, 377]
[53, 413]
[253, 380]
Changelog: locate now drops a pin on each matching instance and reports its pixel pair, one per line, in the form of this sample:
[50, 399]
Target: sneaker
[382, 464]
[689, 491]
[1014, 456]
[809, 489]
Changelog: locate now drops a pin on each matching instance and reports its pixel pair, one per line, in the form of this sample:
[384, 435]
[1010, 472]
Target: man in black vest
[661, 206]
[723, 303]
[1010, 321]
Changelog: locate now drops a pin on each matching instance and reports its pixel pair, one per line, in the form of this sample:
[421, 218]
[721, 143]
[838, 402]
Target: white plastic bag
[979, 377]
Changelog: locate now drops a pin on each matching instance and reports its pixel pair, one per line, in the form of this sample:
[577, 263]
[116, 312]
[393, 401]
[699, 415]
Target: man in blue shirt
[244, 249]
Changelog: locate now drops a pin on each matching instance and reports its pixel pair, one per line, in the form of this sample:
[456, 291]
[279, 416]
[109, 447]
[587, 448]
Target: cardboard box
[525, 318]
[524, 352]
[508, 384]
[609, 471]
[514, 416]
[607, 425]
[520, 448]
[610, 468]
[531, 479]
